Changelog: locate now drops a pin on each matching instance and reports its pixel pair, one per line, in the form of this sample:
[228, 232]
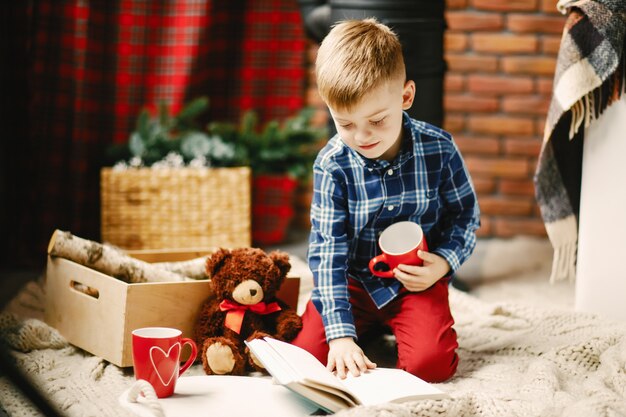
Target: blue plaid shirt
[355, 198]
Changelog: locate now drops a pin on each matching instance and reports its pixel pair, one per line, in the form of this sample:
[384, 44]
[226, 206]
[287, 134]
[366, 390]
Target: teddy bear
[243, 306]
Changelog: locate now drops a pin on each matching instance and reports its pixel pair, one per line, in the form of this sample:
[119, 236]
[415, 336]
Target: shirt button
[390, 172]
[390, 208]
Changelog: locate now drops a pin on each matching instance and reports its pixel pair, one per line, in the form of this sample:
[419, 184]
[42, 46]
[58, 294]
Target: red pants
[420, 321]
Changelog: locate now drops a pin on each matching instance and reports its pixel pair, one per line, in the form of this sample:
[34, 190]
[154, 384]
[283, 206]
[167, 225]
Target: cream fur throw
[515, 361]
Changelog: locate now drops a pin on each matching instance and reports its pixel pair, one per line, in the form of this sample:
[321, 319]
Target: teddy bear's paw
[220, 358]
[252, 359]
[289, 327]
[256, 364]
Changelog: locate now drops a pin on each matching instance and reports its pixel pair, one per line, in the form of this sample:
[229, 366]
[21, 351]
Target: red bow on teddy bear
[236, 311]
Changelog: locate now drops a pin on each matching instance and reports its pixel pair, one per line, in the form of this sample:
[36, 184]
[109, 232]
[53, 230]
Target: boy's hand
[419, 278]
[345, 353]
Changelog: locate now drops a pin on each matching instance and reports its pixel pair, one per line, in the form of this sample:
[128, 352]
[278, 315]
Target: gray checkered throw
[589, 76]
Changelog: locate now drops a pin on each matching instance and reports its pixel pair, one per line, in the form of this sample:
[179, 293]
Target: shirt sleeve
[328, 254]
[462, 214]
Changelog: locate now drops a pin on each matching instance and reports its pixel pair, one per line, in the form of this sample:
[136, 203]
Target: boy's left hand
[418, 278]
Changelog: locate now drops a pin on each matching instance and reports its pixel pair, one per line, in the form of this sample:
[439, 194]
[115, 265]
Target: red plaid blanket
[94, 65]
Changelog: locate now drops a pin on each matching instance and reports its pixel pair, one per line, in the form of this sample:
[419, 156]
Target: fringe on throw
[564, 239]
[591, 105]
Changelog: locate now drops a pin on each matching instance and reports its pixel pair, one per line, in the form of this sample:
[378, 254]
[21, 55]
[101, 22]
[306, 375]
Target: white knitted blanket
[516, 360]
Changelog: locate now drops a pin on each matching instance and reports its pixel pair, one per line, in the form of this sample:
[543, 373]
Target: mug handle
[383, 274]
[192, 357]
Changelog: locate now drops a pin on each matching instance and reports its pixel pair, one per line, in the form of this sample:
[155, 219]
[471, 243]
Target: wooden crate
[102, 325]
[176, 208]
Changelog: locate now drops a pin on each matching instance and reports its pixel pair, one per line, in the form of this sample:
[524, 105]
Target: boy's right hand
[345, 354]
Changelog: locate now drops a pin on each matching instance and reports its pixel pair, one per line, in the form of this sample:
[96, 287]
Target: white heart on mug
[160, 353]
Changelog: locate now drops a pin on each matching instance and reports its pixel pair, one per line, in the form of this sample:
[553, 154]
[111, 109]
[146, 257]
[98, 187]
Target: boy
[382, 167]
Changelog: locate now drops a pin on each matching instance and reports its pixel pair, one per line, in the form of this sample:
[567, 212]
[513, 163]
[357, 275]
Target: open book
[301, 372]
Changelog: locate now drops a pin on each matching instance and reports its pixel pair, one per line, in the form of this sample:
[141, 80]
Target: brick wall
[501, 56]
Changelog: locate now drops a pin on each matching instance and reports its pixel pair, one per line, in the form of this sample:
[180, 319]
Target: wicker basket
[176, 208]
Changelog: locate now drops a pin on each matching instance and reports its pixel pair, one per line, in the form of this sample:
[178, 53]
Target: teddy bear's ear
[281, 260]
[215, 261]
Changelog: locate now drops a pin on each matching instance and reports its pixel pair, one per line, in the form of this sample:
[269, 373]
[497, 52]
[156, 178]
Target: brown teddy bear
[243, 306]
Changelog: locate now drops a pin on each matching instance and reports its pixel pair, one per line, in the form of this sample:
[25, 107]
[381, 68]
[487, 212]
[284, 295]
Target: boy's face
[373, 127]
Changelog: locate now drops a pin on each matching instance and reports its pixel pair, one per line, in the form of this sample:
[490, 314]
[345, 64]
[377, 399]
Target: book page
[330, 401]
[305, 364]
[280, 369]
[383, 385]
[302, 373]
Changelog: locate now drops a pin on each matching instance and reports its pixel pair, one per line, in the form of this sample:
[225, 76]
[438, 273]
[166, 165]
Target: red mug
[399, 244]
[156, 357]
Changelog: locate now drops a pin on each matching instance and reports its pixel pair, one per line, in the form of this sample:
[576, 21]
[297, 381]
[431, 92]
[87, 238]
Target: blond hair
[354, 58]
